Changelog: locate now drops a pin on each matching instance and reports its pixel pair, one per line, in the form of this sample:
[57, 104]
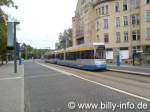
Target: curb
[130, 72]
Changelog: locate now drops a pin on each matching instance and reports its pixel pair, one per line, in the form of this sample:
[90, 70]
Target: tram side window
[67, 56]
[87, 54]
[56, 55]
[77, 55]
[61, 56]
[52, 56]
[71, 56]
[49, 56]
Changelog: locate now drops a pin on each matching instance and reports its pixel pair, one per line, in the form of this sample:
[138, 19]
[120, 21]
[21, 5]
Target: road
[50, 88]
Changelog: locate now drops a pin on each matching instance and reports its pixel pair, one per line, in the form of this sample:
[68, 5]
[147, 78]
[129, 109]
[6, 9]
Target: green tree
[65, 39]
[27, 52]
[68, 36]
[3, 28]
[8, 3]
[3, 39]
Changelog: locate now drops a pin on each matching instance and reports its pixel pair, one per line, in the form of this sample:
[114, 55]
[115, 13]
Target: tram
[87, 56]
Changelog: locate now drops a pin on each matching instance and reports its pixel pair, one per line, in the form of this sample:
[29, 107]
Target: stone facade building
[123, 25]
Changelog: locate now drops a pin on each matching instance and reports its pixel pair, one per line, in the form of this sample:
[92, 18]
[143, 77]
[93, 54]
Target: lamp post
[15, 58]
[65, 47]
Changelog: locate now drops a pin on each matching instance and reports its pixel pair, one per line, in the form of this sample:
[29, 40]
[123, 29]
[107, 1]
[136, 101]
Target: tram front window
[100, 53]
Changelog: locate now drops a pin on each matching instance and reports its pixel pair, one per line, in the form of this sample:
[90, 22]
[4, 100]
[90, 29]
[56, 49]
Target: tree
[8, 3]
[3, 28]
[57, 46]
[65, 39]
[68, 35]
[3, 39]
[27, 52]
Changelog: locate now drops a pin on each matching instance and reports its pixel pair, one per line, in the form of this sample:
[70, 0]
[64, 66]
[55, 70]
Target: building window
[97, 26]
[125, 36]
[135, 4]
[147, 16]
[136, 48]
[96, 11]
[136, 35]
[148, 1]
[117, 7]
[106, 38]
[99, 11]
[117, 21]
[105, 23]
[148, 33]
[107, 9]
[118, 37]
[125, 5]
[135, 19]
[102, 10]
[125, 18]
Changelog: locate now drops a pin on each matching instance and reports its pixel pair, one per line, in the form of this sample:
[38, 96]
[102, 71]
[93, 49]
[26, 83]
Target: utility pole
[26, 53]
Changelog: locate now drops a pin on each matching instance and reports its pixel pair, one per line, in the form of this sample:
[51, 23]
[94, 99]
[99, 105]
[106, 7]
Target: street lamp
[15, 59]
[65, 47]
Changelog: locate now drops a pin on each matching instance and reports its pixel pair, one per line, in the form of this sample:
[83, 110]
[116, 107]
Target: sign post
[118, 57]
[15, 43]
[11, 40]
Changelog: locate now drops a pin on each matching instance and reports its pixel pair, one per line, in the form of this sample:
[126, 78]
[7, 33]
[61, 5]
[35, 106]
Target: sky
[41, 21]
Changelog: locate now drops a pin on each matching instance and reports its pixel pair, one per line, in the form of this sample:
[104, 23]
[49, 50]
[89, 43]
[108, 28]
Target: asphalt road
[47, 90]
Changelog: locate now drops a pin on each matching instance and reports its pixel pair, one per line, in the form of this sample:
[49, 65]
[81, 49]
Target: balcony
[96, 2]
[79, 34]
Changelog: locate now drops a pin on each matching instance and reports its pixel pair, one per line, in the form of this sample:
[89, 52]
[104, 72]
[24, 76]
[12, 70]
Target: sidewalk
[11, 88]
[7, 70]
[139, 70]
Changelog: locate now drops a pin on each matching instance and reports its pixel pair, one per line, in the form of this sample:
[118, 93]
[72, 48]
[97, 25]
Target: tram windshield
[100, 52]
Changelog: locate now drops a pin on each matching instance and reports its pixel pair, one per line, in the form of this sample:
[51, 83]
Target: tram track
[137, 84]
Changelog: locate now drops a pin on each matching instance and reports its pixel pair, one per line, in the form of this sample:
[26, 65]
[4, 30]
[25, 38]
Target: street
[49, 90]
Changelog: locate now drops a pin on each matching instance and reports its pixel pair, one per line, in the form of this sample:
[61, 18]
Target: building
[123, 25]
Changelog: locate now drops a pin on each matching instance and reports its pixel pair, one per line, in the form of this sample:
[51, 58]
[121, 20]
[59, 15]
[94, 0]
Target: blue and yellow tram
[87, 57]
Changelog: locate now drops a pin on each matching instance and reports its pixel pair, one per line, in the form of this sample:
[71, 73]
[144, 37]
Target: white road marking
[10, 78]
[97, 83]
[64, 72]
[38, 76]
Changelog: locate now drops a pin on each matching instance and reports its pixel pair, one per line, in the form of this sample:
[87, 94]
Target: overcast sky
[42, 20]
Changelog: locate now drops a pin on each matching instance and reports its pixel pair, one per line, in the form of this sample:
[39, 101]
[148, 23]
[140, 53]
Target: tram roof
[82, 47]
